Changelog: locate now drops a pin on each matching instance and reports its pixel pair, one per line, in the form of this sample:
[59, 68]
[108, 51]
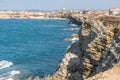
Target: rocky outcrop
[96, 36]
[69, 67]
[74, 20]
[111, 74]
[96, 54]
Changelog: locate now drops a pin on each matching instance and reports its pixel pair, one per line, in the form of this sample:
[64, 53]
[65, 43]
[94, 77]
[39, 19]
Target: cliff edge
[97, 54]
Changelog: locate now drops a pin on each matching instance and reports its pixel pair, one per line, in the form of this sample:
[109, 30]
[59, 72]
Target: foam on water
[9, 75]
[74, 39]
[73, 25]
[5, 64]
[12, 73]
[71, 29]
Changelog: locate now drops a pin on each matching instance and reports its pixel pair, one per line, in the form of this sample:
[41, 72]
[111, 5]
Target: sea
[32, 47]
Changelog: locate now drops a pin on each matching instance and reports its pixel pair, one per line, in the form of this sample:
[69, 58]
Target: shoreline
[98, 46]
[35, 18]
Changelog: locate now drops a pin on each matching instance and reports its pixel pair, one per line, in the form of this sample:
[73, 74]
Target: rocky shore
[97, 54]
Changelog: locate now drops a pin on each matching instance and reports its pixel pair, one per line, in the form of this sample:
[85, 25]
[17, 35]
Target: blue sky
[57, 4]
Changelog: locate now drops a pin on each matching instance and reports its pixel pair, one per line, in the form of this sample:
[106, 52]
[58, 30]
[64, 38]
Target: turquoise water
[32, 47]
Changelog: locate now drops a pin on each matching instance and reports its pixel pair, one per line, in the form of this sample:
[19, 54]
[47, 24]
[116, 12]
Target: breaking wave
[9, 75]
[73, 25]
[71, 29]
[5, 64]
[72, 39]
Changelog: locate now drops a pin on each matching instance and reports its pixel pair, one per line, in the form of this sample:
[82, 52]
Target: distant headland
[60, 14]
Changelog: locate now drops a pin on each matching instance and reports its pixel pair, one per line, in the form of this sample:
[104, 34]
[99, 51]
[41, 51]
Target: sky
[58, 4]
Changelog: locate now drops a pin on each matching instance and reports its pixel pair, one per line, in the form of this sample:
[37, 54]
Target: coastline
[99, 41]
[37, 18]
[88, 59]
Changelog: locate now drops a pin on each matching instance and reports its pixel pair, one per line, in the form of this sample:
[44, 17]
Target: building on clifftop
[114, 11]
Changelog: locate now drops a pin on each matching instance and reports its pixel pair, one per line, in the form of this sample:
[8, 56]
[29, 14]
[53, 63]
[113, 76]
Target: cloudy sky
[58, 4]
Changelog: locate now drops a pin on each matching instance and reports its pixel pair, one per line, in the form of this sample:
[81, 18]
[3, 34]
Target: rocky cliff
[96, 54]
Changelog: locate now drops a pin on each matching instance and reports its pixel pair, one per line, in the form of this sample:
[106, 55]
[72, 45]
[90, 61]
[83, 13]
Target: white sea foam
[72, 39]
[3, 78]
[71, 29]
[10, 75]
[13, 73]
[5, 64]
[73, 25]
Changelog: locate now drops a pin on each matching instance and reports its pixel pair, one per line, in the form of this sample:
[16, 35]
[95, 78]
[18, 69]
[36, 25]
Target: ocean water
[32, 47]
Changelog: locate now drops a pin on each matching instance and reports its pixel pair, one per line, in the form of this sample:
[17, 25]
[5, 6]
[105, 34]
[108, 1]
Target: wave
[5, 64]
[13, 73]
[72, 39]
[10, 75]
[71, 29]
[73, 25]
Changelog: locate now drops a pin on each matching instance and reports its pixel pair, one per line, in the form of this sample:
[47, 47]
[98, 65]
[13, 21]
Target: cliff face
[97, 36]
[98, 50]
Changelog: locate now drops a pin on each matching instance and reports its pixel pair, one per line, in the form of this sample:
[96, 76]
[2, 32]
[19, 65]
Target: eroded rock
[98, 50]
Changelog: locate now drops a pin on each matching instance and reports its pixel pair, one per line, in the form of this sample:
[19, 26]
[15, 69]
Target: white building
[114, 11]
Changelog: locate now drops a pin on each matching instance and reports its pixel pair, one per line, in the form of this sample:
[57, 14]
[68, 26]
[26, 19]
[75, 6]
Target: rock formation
[96, 54]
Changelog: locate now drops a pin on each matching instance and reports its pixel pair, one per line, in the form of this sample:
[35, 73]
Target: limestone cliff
[98, 50]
